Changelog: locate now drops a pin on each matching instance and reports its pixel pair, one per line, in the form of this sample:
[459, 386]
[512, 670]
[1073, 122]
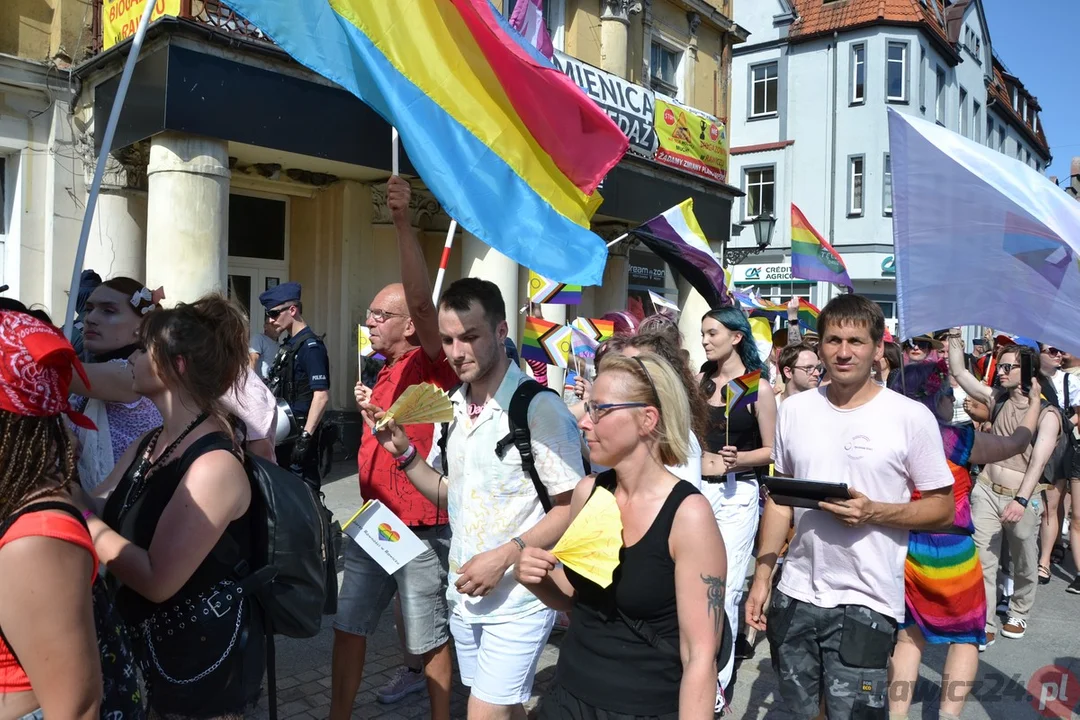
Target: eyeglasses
[1007, 367]
[921, 345]
[381, 316]
[273, 314]
[810, 369]
[599, 410]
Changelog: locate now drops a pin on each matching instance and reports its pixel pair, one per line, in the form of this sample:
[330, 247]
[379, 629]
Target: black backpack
[123, 691]
[293, 575]
[519, 436]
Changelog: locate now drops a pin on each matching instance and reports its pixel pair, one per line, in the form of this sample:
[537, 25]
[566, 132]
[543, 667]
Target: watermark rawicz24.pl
[1052, 690]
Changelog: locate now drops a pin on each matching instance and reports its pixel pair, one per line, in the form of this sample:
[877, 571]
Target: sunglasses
[1053, 351]
[1007, 367]
[921, 345]
[273, 314]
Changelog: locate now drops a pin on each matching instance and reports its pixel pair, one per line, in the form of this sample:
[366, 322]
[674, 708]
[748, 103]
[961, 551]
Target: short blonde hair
[653, 381]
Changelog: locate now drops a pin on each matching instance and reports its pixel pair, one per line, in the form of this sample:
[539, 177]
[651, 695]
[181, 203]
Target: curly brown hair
[36, 459]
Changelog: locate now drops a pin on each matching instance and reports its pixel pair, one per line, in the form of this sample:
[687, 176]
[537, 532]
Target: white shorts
[497, 661]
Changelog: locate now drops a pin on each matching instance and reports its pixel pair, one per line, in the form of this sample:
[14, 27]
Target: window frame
[905, 75]
[976, 121]
[657, 82]
[922, 78]
[853, 64]
[941, 95]
[886, 185]
[1003, 138]
[851, 210]
[771, 167]
[775, 112]
[963, 118]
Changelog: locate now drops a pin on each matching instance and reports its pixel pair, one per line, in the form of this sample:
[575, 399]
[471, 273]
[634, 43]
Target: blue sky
[1036, 39]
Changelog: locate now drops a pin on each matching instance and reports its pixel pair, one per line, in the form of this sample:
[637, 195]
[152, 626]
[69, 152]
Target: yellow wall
[582, 30]
[42, 29]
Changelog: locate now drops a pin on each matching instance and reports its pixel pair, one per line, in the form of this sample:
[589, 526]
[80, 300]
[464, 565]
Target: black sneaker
[1074, 586]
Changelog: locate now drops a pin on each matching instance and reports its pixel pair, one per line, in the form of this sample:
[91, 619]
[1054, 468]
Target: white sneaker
[403, 682]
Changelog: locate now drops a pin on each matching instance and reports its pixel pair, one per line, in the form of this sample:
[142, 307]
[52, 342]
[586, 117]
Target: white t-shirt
[883, 449]
[267, 350]
[1058, 380]
[491, 500]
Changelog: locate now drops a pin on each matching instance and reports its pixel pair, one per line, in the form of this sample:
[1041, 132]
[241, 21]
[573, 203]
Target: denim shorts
[367, 590]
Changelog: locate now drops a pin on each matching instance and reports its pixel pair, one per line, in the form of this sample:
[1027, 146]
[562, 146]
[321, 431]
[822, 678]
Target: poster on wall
[690, 140]
[629, 105]
[120, 18]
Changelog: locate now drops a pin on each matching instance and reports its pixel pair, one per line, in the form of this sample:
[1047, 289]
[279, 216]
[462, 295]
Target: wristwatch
[1023, 501]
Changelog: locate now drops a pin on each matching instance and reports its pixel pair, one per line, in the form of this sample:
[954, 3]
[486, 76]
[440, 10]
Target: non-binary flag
[508, 144]
[812, 257]
[742, 391]
[528, 19]
[542, 290]
[678, 239]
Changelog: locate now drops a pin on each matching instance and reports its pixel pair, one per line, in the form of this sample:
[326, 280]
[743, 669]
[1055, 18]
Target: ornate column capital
[694, 21]
[424, 210]
[620, 10]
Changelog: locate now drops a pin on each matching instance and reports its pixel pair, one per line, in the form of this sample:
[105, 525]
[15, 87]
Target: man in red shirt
[409, 339]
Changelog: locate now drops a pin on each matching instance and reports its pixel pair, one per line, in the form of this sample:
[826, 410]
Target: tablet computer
[803, 493]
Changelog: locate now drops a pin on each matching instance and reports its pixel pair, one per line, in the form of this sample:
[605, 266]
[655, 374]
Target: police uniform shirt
[311, 363]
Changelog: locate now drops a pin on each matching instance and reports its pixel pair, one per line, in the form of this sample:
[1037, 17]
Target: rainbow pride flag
[812, 258]
[742, 391]
[542, 290]
[596, 329]
[678, 239]
[546, 342]
[508, 144]
[808, 315]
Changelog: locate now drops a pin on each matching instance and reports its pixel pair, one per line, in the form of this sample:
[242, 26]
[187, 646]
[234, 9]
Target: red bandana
[35, 369]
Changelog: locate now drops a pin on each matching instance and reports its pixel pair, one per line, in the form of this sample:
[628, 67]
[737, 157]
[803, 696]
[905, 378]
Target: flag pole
[99, 169]
[360, 353]
[443, 261]
[394, 151]
[618, 239]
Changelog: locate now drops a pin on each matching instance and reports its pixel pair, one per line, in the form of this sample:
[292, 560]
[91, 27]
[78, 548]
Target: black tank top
[603, 662]
[742, 430]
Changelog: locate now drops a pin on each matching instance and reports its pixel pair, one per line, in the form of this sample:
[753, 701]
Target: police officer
[300, 376]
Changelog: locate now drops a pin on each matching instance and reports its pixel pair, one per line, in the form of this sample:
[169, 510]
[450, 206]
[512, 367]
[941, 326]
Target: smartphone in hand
[1025, 372]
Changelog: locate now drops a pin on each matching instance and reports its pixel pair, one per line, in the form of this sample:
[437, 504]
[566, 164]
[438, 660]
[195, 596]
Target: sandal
[1044, 579]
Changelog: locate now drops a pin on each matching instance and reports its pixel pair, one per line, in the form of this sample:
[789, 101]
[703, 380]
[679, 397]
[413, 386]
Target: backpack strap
[648, 633]
[444, 429]
[521, 438]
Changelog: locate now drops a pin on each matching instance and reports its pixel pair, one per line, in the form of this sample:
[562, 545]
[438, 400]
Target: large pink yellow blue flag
[812, 258]
[511, 148]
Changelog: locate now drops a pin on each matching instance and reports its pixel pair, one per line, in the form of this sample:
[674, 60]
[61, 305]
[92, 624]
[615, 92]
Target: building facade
[235, 168]
[811, 90]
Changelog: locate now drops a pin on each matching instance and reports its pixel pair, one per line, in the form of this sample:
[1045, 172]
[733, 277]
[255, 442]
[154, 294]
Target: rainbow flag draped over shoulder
[678, 239]
[510, 147]
[812, 258]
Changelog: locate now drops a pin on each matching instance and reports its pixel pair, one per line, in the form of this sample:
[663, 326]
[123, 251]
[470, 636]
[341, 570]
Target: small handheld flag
[659, 301]
[546, 342]
[595, 328]
[742, 391]
[544, 291]
[812, 258]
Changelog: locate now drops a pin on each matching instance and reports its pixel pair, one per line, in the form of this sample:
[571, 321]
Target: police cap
[280, 294]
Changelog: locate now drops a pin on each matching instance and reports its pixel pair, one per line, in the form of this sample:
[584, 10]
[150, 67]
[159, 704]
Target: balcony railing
[211, 13]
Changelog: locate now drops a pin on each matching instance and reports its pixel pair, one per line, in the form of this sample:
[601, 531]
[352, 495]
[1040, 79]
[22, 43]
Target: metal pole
[99, 170]
[443, 261]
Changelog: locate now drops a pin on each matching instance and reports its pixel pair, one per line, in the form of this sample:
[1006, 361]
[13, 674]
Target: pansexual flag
[509, 145]
[542, 290]
[812, 258]
[546, 342]
[677, 238]
[742, 391]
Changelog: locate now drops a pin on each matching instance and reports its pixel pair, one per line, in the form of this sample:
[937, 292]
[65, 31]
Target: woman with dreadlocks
[49, 660]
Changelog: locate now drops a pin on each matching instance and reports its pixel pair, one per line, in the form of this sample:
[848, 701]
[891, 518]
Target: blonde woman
[646, 645]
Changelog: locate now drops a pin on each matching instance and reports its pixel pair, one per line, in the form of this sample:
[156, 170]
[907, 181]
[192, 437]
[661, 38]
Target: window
[1038, 166]
[1027, 157]
[1035, 122]
[1001, 139]
[760, 192]
[765, 84]
[664, 68]
[896, 73]
[855, 185]
[886, 186]
[1019, 151]
[1015, 99]
[976, 120]
[858, 74]
[989, 130]
[939, 113]
[257, 227]
[922, 78]
[965, 119]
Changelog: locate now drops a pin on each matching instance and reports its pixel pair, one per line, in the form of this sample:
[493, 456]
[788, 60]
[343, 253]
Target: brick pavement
[1053, 638]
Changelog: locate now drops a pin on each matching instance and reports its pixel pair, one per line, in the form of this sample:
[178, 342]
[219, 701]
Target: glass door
[246, 283]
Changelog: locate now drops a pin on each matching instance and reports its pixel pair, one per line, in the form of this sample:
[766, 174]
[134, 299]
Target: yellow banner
[691, 140]
[120, 18]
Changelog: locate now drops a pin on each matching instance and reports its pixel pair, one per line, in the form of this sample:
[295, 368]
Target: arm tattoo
[714, 592]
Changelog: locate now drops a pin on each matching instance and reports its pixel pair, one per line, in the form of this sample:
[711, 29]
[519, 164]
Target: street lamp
[763, 226]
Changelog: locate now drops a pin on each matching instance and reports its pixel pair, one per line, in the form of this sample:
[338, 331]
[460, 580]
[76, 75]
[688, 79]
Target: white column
[481, 260]
[693, 307]
[117, 243]
[614, 30]
[187, 216]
